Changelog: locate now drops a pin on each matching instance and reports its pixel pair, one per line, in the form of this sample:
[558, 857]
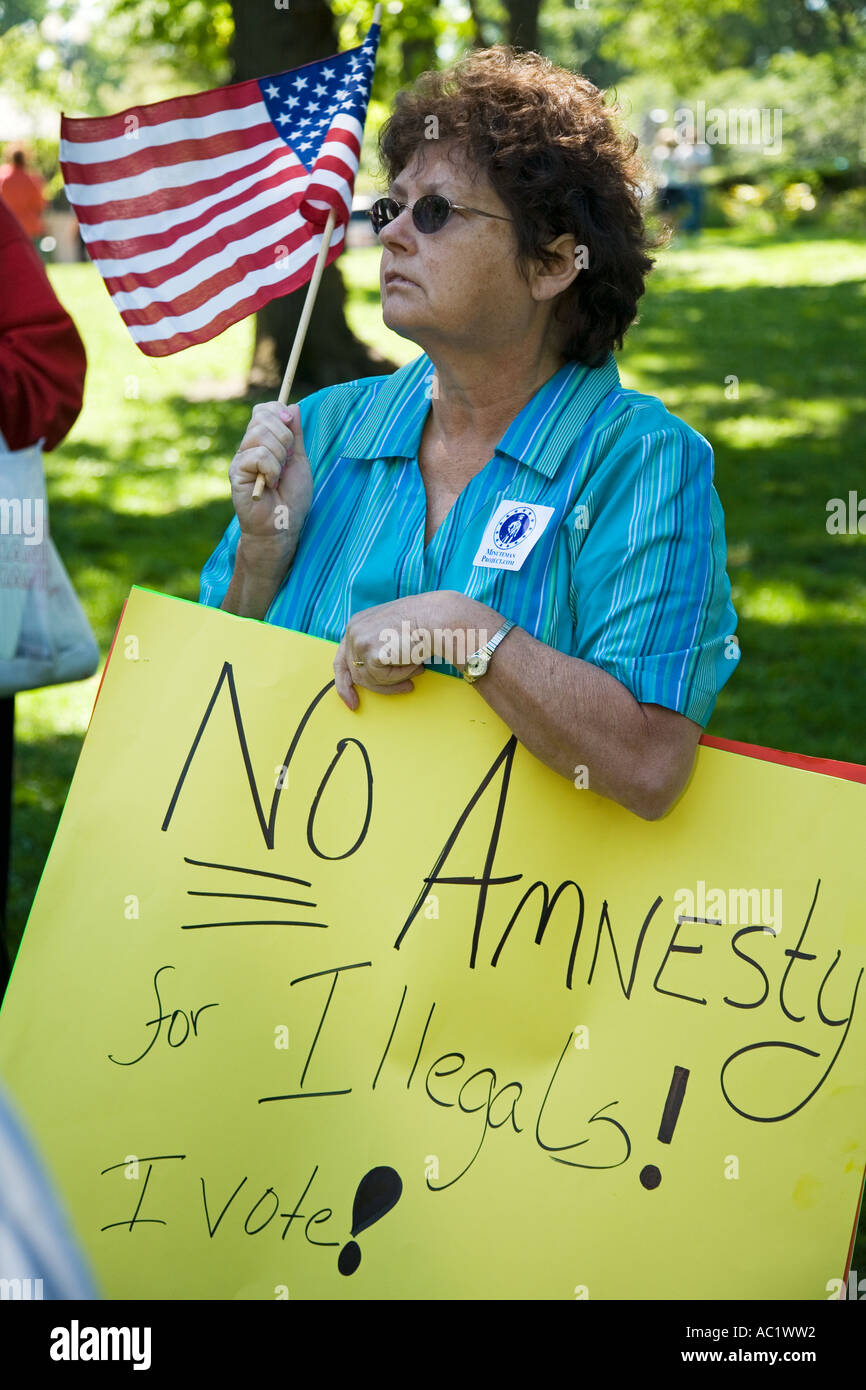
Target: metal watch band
[486, 652]
[497, 638]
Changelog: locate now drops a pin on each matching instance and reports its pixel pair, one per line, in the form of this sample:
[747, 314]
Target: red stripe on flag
[176, 199]
[139, 162]
[334, 165]
[339, 136]
[293, 181]
[205, 290]
[164, 347]
[92, 128]
[219, 241]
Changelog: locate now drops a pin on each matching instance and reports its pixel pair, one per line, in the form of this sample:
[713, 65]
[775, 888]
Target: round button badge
[514, 528]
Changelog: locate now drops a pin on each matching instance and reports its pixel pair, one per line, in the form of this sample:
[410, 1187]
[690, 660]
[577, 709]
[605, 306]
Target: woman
[503, 488]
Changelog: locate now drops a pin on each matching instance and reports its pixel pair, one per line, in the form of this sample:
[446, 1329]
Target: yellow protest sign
[321, 1004]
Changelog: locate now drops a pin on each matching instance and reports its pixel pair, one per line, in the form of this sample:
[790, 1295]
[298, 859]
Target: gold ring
[358, 663]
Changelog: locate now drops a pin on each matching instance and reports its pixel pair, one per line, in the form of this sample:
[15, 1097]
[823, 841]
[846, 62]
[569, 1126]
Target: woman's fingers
[248, 464]
[264, 436]
[266, 446]
[263, 451]
[272, 449]
[343, 678]
[356, 668]
[389, 679]
[402, 688]
[272, 429]
[274, 417]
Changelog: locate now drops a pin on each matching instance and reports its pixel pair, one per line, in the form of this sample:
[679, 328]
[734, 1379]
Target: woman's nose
[398, 232]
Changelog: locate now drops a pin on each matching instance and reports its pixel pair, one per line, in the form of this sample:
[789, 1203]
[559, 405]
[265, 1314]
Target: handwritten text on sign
[321, 1004]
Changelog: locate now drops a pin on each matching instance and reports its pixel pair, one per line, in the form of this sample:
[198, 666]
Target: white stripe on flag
[153, 181]
[152, 136]
[328, 178]
[148, 261]
[132, 228]
[205, 269]
[233, 294]
[350, 123]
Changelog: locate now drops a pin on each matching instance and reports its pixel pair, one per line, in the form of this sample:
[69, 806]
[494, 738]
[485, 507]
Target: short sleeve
[217, 573]
[650, 592]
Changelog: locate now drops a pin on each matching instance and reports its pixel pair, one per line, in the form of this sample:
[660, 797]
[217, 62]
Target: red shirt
[22, 192]
[42, 359]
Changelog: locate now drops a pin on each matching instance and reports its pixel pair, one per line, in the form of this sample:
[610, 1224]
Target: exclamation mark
[650, 1175]
[378, 1191]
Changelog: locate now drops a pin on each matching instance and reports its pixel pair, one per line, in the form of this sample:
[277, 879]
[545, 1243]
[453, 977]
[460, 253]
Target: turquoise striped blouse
[605, 497]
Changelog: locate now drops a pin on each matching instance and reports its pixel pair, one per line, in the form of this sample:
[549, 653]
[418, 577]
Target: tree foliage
[14, 12]
[695, 37]
[192, 35]
[806, 58]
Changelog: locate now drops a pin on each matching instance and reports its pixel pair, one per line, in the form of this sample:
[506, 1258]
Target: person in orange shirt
[23, 192]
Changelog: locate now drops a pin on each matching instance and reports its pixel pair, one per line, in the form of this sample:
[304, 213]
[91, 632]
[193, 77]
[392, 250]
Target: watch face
[476, 665]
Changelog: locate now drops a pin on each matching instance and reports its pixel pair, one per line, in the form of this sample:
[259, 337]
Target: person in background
[42, 369]
[670, 193]
[23, 192]
[690, 157]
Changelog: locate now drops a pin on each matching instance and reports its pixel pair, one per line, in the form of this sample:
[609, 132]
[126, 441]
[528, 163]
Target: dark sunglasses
[429, 213]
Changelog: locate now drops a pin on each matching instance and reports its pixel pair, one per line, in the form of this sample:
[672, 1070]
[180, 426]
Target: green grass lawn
[759, 345]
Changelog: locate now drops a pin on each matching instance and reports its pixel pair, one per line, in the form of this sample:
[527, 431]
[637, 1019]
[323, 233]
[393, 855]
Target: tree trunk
[481, 40]
[418, 47]
[269, 40]
[523, 23]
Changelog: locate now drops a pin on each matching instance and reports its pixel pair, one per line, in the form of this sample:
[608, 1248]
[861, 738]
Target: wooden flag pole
[312, 291]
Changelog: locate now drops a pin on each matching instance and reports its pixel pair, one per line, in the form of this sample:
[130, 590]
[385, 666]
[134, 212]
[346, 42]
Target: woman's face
[459, 287]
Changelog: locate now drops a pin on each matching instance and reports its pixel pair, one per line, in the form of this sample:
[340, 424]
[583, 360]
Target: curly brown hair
[548, 144]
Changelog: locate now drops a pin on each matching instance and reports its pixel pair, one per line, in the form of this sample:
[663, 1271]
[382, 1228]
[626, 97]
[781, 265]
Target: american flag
[199, 210]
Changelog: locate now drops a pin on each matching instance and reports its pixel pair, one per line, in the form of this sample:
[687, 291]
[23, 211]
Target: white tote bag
[45, 638]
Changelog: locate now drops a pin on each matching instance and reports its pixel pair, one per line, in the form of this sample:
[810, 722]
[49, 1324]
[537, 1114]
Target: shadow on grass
[798, 687]
[789, 444]
[778, 337]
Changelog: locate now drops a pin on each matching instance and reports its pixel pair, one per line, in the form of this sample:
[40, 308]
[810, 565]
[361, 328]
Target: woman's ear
[566, 258]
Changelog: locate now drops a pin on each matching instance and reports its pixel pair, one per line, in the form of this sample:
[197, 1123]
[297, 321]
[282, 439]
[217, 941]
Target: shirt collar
[392, 426]
[538, 437]
[555, 416]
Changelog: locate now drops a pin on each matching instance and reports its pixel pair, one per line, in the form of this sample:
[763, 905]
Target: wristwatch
[479, 661]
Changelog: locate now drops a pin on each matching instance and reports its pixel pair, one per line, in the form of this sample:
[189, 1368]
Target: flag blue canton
[302, 103]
